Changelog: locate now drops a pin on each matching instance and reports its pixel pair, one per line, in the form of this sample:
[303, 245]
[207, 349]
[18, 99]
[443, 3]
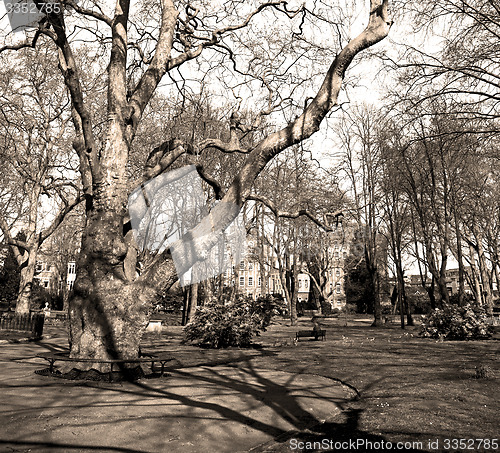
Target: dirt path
[219, 408]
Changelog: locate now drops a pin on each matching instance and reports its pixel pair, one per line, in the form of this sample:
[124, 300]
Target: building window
[306, 284]
[71, 268]
[242, 265]
[250, 281]
[39, 266]
[45, 283]
[259, 281]
[242, 281]
[338, 288]
[300, 283]
[70, 285]
[337, 272]
[250, 266]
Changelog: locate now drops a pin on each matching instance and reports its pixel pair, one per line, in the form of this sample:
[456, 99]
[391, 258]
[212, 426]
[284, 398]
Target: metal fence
[32, 322]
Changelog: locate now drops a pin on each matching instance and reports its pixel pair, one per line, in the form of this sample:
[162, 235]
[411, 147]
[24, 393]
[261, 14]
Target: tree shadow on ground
[206, 403]
[342, 435]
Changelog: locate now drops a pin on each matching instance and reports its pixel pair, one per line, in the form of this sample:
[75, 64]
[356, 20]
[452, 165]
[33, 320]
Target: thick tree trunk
[193, 302]
[108, 314]
[460, 260]
[23, 303]
[409, 317]
[371, 267]
[497, 275]
[377, 309]
[264, 290]
[438, 275]
[190, 303]
[432, 293]
[293, 308]
[209, 292]
[186, 296]
[289, 282]
[263, 256]
[444, 295]
[485, 278]
[315, 297]
[402, 289]
[401, 297]
[108, 311]
[475, 276]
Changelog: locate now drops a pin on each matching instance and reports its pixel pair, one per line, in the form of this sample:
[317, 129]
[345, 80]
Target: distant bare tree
[40, 185]
[360, 161]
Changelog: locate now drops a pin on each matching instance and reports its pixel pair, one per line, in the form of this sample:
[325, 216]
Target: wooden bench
[311, 333]
[63, 357]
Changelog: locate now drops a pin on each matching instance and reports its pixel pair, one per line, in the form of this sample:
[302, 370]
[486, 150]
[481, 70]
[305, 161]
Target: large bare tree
[111, 304]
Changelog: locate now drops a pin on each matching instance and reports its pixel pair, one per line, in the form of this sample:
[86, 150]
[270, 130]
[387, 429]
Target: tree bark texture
[23, 303]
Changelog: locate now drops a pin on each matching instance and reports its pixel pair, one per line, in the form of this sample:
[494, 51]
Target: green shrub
[452, 322]
[266, 307]
[233, 324]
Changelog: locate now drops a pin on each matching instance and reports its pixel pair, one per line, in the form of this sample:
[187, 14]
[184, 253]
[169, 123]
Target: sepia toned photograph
[249, 226]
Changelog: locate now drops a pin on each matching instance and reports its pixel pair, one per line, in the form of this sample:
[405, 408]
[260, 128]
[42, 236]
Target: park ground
[374, 384]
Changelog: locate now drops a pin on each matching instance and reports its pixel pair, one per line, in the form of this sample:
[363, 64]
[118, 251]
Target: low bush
[234, 324]
[452, 322]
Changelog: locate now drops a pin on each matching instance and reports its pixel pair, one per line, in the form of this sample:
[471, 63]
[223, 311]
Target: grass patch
[410, 388]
